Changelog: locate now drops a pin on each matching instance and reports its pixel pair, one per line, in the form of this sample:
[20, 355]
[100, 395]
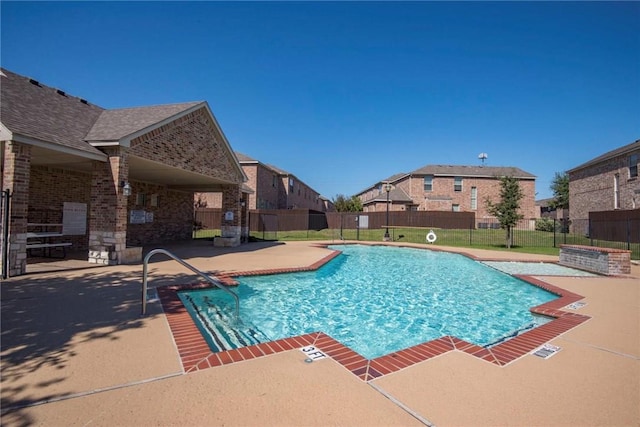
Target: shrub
[544, 224]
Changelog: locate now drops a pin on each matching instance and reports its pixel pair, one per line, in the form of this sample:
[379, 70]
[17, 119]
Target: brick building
[449, 188]
[269, 187]
[107, 181]
[607, 182]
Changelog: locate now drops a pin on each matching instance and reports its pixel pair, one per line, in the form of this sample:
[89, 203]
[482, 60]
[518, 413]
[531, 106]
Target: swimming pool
[373, 299]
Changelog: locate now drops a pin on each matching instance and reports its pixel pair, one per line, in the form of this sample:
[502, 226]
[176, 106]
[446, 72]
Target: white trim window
[428, 183]
[457, 184]
[633, 165]
[616, 191]
[474, 198]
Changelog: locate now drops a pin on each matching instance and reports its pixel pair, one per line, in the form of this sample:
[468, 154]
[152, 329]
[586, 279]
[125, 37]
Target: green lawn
[525, 241]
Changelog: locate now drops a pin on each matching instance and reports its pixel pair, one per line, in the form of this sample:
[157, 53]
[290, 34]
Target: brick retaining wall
[607, 261]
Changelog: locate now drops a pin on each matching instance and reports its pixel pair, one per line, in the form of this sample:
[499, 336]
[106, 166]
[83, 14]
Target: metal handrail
[190, 267]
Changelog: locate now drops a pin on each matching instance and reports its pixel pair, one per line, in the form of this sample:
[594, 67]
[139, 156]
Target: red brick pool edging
[195, 353]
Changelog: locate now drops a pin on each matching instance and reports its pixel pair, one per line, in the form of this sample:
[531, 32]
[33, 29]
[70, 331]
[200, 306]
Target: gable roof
[41, 115]
[395, 195]
[609, 155]
[243, 158]
[473, 171]
[279, 171]
[114, 125]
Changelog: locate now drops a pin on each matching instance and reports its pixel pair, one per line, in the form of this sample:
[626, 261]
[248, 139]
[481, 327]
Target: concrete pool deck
[75, 351]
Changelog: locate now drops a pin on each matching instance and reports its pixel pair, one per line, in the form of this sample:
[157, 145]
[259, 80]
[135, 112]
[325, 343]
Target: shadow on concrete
[196, 248]
[45, 317]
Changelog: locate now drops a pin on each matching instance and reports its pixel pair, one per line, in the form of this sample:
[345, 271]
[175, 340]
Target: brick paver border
[195, 353]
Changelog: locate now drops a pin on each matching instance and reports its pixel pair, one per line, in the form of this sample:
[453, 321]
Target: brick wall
[192, 143]
[172, 217]
[49, 188]
[267, 186]
[15, 177]
[301, 196]
[442, 197]
[610, 262]
[592, 188]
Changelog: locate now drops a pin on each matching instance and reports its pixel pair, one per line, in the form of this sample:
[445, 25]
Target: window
[616, 191]
[455, 208]
[291, 185]
[428, 183]
[633, 166]
[457, 183]
[274, 181]
[474, 198]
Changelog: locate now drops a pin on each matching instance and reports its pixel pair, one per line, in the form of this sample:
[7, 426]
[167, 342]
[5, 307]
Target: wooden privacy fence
[207, 219]
[307, 219]
[615, 226]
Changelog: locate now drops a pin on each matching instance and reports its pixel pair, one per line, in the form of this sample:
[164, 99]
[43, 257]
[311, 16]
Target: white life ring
[431, 237]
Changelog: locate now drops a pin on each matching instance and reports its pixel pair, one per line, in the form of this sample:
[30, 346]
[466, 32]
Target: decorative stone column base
[109, 248]
[230, 236]
[103, 255]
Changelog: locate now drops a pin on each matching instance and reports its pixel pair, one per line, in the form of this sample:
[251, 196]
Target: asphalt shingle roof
[244, 158]
[395, 195]
[478, 171]
[32, 110]
[609, 155]
[113, 125]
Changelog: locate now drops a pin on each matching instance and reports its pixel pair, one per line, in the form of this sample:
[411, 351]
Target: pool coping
[195, 353]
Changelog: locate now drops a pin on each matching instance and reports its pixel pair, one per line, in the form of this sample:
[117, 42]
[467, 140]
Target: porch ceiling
[139, 170]
[41, 156]
[178, 179]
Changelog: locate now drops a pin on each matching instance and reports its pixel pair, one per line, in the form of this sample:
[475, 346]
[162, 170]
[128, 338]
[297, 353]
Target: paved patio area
[76, 351]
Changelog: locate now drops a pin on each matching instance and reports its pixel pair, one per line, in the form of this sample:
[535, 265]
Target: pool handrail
[190, 267]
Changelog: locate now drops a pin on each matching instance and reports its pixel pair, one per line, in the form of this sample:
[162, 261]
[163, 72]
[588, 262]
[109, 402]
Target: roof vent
[34, 82]
[60, 92]
[84, 101]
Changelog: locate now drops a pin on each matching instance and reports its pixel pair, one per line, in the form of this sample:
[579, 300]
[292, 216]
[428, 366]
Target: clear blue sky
[345, 94]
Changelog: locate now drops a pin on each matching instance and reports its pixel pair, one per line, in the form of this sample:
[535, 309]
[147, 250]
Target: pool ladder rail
[208, 278]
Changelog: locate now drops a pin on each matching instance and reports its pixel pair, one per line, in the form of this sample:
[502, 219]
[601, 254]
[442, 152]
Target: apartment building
[448, 188]
[269, 187]
[607, 182]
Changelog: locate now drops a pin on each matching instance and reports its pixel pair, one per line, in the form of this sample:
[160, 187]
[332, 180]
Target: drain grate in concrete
[546, 351]
[576, 305]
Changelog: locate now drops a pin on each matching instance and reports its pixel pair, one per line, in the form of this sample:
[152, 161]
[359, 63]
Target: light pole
[387, 188]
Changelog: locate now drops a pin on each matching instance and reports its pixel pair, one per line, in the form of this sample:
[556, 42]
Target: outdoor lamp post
[387, 188]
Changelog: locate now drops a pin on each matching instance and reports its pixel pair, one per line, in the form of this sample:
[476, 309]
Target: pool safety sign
[313, 353]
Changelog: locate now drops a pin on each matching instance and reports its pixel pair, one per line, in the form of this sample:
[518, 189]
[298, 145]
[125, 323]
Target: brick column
[17, 172]
[108, 210]
[231, 217]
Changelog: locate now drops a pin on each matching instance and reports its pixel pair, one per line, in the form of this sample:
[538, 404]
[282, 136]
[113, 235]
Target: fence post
[555, 226]
[629, 234]
[590, 233]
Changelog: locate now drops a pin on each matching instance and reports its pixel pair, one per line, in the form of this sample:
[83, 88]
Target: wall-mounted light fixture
[126, 188]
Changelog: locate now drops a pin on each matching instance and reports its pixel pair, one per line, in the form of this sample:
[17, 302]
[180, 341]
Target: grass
[524, 241]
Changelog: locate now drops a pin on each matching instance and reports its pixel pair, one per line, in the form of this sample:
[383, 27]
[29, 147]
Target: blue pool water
[373, 299]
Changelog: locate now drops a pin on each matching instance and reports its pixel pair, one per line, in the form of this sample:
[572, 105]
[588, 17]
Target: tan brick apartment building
[449, 188]
[607, 182]
[270, 187]
[107, 181]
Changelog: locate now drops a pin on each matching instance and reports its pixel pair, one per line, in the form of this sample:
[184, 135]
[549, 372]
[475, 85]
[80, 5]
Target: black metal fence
[450, 229]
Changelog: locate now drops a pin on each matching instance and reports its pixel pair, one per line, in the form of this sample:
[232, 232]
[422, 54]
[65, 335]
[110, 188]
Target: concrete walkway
[76, 351]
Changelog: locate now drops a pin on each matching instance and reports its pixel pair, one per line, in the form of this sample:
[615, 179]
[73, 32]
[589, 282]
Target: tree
[560, 188]
[200, 201]
[344, 204]
[506, 210]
